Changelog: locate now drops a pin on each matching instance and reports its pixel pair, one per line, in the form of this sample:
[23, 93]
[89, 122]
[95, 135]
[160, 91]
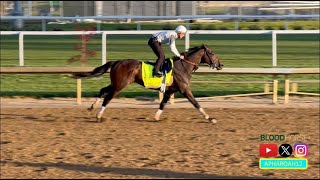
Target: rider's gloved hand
[181, 57]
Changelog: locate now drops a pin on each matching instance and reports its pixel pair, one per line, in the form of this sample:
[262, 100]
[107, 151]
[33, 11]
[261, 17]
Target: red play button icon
[268, 150]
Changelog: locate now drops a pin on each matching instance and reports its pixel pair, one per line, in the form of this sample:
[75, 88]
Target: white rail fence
[187, 37]
[275, 72]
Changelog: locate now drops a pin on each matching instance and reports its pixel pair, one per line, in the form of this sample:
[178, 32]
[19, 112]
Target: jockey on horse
[165, 37]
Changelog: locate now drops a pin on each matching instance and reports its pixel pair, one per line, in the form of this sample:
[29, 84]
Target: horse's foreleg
[162, 105]
[164, 101]
[188, 94]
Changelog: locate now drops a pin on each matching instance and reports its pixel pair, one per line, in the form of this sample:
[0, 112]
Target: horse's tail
[98, 71]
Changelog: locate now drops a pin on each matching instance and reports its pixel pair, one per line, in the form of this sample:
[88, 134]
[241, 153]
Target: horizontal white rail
[274, 71]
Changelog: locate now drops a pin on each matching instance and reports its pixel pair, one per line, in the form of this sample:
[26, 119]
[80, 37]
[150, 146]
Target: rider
[165, 37]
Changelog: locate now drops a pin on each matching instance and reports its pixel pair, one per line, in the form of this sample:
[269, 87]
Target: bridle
[196, 66]
[213, 65]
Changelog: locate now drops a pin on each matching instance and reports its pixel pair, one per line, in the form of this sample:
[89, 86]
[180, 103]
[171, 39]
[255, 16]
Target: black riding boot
[156, 70]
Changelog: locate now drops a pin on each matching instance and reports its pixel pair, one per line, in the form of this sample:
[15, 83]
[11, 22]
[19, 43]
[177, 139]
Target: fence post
[78, 91]
[44, 25]
[286, 27]
[274, 48]
[275, 90]
[236, 24]
[104, 48]
[188, 24]
[138, 27]
[187, 41]
[294, 87]
[286, 89]
[21, 49]
[266, 87]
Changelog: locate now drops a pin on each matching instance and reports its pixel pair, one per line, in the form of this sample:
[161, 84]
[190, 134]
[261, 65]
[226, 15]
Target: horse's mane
[192, 50]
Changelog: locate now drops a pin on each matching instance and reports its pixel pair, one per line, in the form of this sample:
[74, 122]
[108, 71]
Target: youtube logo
[268, 150]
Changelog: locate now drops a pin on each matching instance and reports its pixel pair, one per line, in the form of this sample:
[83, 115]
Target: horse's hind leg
[106, 101]
[121, 76]
[103, 92]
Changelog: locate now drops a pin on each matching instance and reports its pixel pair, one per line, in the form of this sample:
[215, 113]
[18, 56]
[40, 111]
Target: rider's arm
[173, 48]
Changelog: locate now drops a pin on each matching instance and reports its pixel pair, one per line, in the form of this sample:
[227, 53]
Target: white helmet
[181, 29]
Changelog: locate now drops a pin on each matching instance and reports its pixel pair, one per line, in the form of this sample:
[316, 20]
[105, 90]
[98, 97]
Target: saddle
[157, 82]
[165, 67]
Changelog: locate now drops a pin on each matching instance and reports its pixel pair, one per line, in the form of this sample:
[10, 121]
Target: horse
[125, 72]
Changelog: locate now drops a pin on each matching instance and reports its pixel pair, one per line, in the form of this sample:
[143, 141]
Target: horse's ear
[204, 46]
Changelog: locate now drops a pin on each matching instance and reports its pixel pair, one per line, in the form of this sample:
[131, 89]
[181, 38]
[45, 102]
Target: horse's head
[211, 58]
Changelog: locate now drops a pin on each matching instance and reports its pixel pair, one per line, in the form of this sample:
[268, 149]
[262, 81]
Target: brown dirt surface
[60, 142]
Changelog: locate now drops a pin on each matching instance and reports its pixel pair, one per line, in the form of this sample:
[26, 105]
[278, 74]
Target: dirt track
[67, 143]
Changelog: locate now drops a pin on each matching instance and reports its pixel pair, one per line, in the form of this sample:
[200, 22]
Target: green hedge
[261, 25]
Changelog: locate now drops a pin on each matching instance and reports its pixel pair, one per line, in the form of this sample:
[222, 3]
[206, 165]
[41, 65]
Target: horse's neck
[187, 68]
[194, 58]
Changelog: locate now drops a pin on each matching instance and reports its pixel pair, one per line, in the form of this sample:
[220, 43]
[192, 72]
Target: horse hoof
[212, 120]
[157, 119]
[90, 109]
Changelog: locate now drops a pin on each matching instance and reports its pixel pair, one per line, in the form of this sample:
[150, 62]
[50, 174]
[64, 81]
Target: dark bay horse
[125, 72]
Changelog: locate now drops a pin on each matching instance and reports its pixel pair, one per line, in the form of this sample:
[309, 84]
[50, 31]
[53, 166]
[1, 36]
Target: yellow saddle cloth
[154, 82]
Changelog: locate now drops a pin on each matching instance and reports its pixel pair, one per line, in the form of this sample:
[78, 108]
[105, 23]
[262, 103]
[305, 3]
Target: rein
[189, 62]
[192, 63]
